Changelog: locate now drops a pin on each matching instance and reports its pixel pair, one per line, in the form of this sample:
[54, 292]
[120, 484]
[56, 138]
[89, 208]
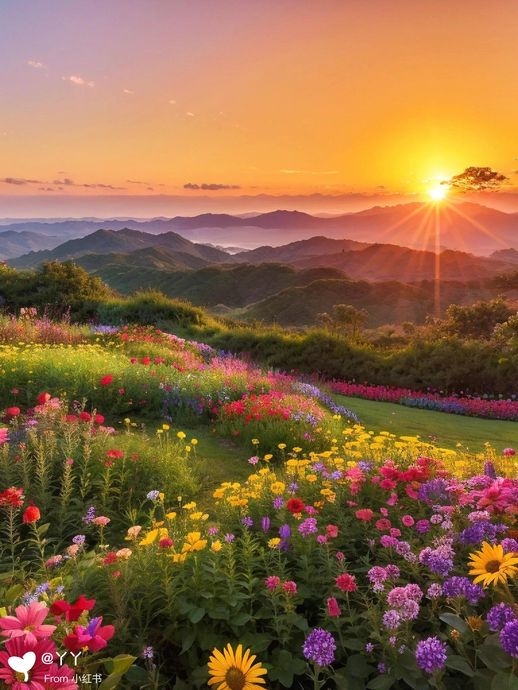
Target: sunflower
[234, 670]
[491, 565]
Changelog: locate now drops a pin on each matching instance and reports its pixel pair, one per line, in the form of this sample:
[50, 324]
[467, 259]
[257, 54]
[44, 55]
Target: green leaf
[383, 682]
[196, 615]
[358, 666]
[455, 622]
[505, 681]
[458, 663]
[122, 662]
[353, 643]
[494, 657]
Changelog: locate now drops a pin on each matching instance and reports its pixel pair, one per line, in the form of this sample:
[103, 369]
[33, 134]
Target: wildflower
[499, 615]
[272, 582]
[12, 497]
[41, 674]
[148, 653]
[308, 526]
[133, 532]
[153, 495]
[216, 546]
[229, 538]
[101, 521]
[194, 542]
[295, 505]
[508, 452]
[346, 582]
[285, 531]
[154, 535]
[71, 612]
[391, 619]
[124, 554]
[27, 623]
[13, 412]
[265, 523]
[253, 460]
[430, 654]
[247, 521]
[90, 515]
[332, 531]
[106, 380]
[290, 587]
[278, 502]
[491, 565]
[509, 638]
[94, 636]
[31, 514]
[274, 543]
[365, 514]
[43, 398]
[434, 591]
[333, 608]
[320, 647]
[235, 670]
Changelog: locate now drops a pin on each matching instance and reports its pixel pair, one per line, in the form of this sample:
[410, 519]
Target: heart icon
[22, 664]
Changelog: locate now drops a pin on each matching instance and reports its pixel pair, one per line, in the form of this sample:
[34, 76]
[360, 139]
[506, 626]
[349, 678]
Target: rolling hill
[14, 243]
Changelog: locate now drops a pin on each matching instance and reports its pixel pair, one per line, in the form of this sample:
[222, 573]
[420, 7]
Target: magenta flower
[40, 675]
[27, 623]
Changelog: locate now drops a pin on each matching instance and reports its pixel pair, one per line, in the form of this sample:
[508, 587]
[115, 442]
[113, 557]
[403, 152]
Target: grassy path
[443, 428]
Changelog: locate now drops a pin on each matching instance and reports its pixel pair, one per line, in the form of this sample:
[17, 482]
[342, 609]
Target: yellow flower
[281, 446]
[165, 427]
[491, 565]
[198, 515]
[190, 506]
[171, 515]
[274, 543]
[234, 670]
[194, 542]
[154, 535]
[255, 441]
[216, 545]
[179, 557]
[278, 488]
[181, 435]
[194, 441]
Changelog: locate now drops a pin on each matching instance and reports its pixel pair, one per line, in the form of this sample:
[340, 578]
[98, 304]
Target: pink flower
[290, 587]
[407, 520]
[383, 524]
[508, 452]
[101, 521]
[272, 582]
[40, 676]
[94, 636]
[28, 623]
[333, 609]
[340, 556]
[365, 514]
[332, 531]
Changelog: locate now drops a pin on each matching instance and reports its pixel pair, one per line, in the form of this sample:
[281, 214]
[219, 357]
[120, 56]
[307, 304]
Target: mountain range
[462, 226]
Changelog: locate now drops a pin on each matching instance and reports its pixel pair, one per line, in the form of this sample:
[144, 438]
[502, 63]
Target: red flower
[111, 557]
[146, 360]
[165, 543]
[72, 612]
[85, 416]
[333, 608]
[365, 514]
[295, 505]
[115, 454]
[99, 419]
[94, 636]
[31, 514]
[43, 398]
[12, 497]
[106, 380]
[346, 582]
[12, 411]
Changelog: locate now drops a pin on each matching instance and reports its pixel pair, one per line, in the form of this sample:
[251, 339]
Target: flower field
[346, 558]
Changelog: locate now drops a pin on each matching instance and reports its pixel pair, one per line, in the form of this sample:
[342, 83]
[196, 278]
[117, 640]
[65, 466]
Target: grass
[444, 429]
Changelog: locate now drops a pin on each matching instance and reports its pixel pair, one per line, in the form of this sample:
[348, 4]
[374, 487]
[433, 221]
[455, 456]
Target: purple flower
[319, 647]
[153, 495]
[457, 586]
[509, 545]
[285, 531]
[308, 526]
[434, 591]
[79, 539]
[212, 531]
[148, 653]
[430, 654]
[489, 469]
[265, 523]
[247, 521]
[278, 502]
[293, 488]
[509, 638]
[391, 619]
[499, 615]
[229, 538]
[434, 491]
[90, 515]
[369, 647]
[422, 526]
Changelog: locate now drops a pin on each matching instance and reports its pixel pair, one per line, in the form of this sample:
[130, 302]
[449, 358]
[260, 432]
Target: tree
[349, 318]
[477, 320]
[475, 179]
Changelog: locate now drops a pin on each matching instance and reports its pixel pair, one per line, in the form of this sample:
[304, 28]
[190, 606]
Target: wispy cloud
[210, 186]
[189, 114]
[129, 92]
[79, 81]
[60, 183]
[36, 64]
[291, 171]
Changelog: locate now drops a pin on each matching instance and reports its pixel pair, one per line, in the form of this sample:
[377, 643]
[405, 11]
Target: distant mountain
[463, 226]
[16, 243]
[295, 251]
[380, 262]
[122, 242]
[508, 255]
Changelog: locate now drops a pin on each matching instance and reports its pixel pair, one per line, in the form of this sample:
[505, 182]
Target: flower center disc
[493, 566]
[235, 679]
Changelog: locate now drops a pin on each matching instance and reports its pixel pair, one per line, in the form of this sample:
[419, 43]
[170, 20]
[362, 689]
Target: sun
[437, 193]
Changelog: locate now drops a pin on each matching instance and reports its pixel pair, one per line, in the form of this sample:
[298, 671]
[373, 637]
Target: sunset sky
[128, 98]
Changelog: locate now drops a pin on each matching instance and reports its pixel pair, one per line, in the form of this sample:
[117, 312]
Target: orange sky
[284, 96]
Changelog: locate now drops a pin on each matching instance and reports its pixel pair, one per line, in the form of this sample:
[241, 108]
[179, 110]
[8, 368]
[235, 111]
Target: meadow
[173, 516]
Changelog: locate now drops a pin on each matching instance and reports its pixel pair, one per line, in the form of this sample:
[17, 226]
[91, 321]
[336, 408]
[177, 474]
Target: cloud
[172, 101]
[79, 81]
[128, 91]
[290, 171]
[20, 181]
[210, 187]
[142, 182]
[36, 64]
[189, 114]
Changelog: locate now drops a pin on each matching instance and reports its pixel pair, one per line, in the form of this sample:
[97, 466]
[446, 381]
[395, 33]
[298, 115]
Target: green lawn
[443, 428]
